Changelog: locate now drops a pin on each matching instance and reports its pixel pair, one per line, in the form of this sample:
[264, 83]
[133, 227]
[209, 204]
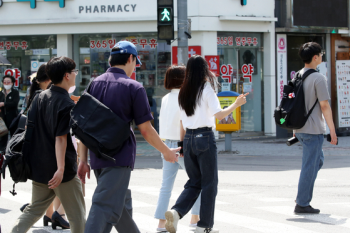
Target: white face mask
[7, 87]
[71, 89]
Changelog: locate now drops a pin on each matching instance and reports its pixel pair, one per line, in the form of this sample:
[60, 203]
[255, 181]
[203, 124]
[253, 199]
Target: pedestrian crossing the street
[274, 216]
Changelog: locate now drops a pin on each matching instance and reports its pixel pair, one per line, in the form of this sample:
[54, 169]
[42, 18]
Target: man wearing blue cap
[111, 202]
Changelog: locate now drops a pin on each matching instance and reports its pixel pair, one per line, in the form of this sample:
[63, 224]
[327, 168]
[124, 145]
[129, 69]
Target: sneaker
[305, 210]
[193, 225]
[206, 230]
[172, 218]
[161, 229]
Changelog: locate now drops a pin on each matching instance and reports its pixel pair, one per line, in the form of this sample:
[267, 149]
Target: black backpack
[98, 127]
[292, 113]
[16, 156]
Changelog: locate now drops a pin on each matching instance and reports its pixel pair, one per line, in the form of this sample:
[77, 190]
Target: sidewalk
[261, 145]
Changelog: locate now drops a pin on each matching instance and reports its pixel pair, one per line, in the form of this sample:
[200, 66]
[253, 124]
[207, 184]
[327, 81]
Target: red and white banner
[214, 64]
[192, 50]
[16, 73]
[281, 65]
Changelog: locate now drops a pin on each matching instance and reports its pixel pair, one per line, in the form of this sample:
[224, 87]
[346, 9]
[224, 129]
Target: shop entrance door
[247, 76]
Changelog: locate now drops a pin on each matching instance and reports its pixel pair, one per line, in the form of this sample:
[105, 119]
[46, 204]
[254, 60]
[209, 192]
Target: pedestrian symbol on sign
[166, 15]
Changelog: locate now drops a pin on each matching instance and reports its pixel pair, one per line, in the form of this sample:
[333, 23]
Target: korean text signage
[7, 45]
[281, 65]
[16, 73]
[238, 41]
[61, 3]
[97, 44]
[214, 63]
[192, 50]
[343, 92]
[248, 71]
[226, 72]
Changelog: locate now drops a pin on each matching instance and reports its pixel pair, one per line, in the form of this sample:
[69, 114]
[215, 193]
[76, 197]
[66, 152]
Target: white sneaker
[161, 229]
[172, 218]
[206, 230]
[194, 225]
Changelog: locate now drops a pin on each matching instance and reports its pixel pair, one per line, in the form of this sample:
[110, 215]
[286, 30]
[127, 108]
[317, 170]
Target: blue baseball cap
[127, 47]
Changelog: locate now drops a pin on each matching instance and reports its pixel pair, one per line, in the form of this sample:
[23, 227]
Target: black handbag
[98, 127]
[16, 156]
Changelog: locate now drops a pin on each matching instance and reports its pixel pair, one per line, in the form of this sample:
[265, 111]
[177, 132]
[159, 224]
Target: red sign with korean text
[214, 64]
[7, 45]
[240, 41]
[152, 43]
[192, 50]
[16, 73]
[226, 72]
[248, 71]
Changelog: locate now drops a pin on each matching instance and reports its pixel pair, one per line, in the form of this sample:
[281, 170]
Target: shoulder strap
[31, 119]
[307, 73]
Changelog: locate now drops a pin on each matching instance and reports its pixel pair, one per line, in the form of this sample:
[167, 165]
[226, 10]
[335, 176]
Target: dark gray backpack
[292, 113]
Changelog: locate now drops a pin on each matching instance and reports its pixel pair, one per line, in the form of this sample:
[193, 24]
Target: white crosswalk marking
[256, 224]
[323, 218]
[144, 211]
[153, 191]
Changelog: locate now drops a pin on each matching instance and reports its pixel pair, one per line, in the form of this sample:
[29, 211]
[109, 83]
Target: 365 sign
[16, 73]
[61, 3]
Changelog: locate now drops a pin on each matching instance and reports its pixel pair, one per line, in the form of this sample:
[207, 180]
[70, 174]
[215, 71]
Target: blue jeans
[169, 175]
[200, 154]
[312, 162]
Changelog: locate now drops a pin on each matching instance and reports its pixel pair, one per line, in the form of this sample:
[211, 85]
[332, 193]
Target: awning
[4, 61]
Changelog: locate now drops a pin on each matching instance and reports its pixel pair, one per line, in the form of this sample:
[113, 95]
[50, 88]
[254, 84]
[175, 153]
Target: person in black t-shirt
[53, 159]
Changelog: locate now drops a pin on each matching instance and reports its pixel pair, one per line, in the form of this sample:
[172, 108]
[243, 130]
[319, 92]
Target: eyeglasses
[322, 53]
[6, 83]
[75, 71]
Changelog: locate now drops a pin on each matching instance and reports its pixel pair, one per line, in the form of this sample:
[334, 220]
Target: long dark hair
[41, 76]
[197, 74]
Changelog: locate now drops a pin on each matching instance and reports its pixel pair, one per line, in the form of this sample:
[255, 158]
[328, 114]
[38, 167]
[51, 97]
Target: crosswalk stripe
[257, 224]
[155, 192]
[323, 218]
[21, 197]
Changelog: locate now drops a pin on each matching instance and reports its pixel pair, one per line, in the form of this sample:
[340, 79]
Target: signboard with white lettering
[281, 65]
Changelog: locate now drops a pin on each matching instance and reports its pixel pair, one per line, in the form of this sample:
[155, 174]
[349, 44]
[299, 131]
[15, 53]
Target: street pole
[182, 48]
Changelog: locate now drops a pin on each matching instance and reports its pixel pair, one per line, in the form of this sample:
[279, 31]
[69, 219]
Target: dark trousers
[200, 155]
[111, 202]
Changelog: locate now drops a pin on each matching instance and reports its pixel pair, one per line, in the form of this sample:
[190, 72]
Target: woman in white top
[199, 107]
[169, 121]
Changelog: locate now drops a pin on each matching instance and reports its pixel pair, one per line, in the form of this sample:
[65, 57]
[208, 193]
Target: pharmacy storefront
[33, 31]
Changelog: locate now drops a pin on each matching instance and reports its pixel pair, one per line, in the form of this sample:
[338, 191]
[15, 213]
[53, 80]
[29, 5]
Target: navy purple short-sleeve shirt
[127, 98]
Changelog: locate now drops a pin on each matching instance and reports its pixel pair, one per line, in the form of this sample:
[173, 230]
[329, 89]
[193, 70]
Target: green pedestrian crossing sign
[165, 20]
[165, 15]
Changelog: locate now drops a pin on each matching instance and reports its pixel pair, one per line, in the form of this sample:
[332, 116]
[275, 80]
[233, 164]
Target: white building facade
[31, 32]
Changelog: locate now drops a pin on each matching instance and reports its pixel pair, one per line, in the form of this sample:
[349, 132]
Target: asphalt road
[257, 189]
